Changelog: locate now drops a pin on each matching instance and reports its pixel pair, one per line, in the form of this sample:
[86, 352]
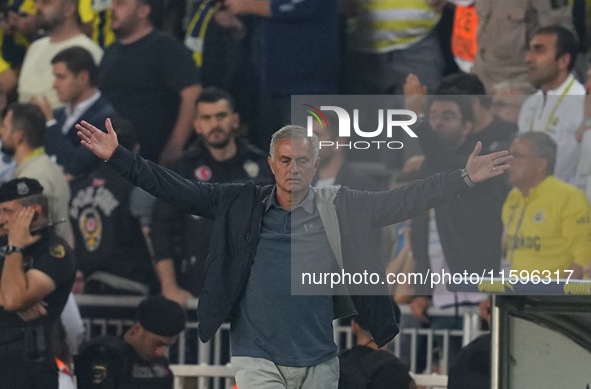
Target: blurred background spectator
[112, 252]
[22, 135]
[150, 79]
[218, 155]
[504, 30]
[76, 77]
[58, 19]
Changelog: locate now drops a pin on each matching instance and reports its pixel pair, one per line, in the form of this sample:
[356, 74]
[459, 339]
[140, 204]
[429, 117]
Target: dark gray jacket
[237, 211]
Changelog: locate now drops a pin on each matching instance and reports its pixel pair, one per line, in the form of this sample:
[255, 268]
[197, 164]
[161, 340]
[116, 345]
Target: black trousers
[18, 372]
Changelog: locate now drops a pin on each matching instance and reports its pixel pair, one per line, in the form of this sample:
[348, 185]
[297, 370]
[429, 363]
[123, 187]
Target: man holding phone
[36, 274]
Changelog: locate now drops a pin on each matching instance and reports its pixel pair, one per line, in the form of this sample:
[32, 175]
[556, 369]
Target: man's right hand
[103, 145]
[415, 94]
[177, 294]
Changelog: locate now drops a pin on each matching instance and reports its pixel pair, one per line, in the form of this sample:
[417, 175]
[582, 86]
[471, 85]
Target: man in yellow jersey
[547, 223]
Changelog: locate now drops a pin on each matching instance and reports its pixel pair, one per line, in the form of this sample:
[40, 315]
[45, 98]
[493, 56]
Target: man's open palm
[102, 144]
[482, 167]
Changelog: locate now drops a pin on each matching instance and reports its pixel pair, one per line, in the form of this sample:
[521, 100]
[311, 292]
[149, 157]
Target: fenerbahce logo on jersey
[86, 208]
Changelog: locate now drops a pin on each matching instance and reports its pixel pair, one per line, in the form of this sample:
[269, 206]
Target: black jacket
[470, 225]
[75, 159]
[184, 238]
[237, 212]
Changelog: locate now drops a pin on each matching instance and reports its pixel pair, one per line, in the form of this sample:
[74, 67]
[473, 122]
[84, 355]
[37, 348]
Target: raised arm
[412, 199]
[190, 196]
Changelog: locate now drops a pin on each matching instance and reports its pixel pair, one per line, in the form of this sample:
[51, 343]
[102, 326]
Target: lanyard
[551, 118]
[34, 153]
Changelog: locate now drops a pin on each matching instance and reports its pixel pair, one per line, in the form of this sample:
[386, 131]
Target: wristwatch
[13, 249]
[467, 179]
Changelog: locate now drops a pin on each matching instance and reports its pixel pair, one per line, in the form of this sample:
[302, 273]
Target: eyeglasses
[521, 156]
[502, 104]
[446, 117]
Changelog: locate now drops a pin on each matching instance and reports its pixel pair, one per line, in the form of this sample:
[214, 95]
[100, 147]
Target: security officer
[137, 360]
[37, 272]
[504, 30]
[105, 211]
[217, 156]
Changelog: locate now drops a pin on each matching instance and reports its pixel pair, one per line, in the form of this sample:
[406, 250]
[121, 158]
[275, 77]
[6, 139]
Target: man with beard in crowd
[218, 155]
[59, 20]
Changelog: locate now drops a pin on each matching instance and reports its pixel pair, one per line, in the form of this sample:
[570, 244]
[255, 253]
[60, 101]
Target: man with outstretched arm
[279, 339]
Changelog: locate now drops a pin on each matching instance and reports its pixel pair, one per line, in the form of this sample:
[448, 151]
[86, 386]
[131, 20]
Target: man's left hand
[19, 234]
[483, 167]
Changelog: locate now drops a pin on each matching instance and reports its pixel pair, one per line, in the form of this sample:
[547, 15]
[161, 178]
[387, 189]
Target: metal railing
[210, 360]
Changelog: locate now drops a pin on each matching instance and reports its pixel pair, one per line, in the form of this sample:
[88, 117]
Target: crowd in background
[200, 87]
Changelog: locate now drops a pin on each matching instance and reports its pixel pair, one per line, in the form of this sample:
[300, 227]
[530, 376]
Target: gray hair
[289, 132]
[39, 199]
[542, 146]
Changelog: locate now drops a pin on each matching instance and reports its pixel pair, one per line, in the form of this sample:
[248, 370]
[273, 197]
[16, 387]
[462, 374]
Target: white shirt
[559, 113]
[72, 115]
[36, 75]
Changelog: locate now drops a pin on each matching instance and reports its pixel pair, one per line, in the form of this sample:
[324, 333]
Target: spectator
[105, 213]
[333, 168]
[150, 79]
[37, 272]
[508, 99]
[224, 49]
[22, 136]
[76, 77]
[546, 222]
[463, 234]
[138, 359]
[557, 108]
[293, 66]
[213, 37]
[391, 40]
[59, 18]
[503, 32]
[364, 366]
[7, 164]
[494, 133]
[19, 30]
[96, 21]
[217, 156]
[250, 252]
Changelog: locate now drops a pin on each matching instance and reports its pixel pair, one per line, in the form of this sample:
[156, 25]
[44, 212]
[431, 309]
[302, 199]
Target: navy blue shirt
[272, 323]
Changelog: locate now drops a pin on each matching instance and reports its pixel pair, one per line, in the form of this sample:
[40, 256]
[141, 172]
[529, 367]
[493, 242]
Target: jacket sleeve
[405, 203]
[189, 196]
[440, 157]
[164, 220]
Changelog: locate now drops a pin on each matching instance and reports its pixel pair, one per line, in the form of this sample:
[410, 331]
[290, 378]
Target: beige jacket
[504, 32]
[55, 187]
